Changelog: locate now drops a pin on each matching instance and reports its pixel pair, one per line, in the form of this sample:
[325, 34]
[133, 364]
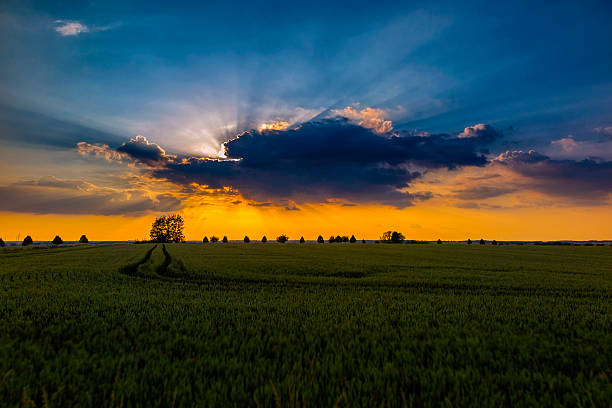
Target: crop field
[316, 325]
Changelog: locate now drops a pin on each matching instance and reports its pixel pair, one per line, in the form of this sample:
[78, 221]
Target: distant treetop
[282, 239]
[224, 240]
[302, 240]
[392, 237]
[27, 241]
[264, 239]
[57, 240]
[205, 240]
[320, 240]
[83, 239]
[353, 239]
[246, 239]
[2, 244]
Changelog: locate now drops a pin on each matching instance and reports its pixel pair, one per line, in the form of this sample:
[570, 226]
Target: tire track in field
[170, 268]
[132, 268]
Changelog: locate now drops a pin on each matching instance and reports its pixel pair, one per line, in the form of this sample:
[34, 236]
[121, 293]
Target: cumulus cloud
[100, 150]
[314, 162]
[570, 148]
[480, 131]
[369, 118]
[70, 28]
[52, 195]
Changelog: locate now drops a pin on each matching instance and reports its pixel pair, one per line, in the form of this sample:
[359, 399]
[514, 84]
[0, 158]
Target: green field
[305, 325]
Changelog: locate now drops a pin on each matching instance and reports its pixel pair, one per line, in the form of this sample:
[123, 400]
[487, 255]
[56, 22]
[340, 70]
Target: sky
[438, 119]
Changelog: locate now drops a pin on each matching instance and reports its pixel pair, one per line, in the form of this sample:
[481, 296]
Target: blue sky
[486, 80]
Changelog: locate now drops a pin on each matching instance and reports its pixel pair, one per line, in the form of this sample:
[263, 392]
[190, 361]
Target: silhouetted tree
[246, 239]
[57, 240]
[392, 237]
[439, 241]
[205, 240]
[320, 240]
[167, 228]
[363, 241]
[27, 241]
[214, 239]
[224, 240]
[302, 240]
[345, 238]
[353, 239]
[332, 239]
[2, 244]
[282, 238]
[494, 242]
[469, 241]
[338, 239]
[83, 239]
[482, 241]
[264, 239]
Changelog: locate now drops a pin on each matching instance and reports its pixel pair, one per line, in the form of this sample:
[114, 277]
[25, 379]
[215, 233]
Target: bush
[282, 239]
[57, 240]
[332, 239]
[205, 240]
[2, 244]
[469, 241]
[224, 240]
[302, 240]
[353, 239]
[363, 241]
[246, 239]
[27, 241]
[83, 239]
[494, 242]
[439, 241]
[482, 241]
[320, 240]
[264, 239]
[214, 239]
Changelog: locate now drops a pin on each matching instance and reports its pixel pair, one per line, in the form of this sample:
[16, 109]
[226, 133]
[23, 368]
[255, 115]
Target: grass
[305, 325]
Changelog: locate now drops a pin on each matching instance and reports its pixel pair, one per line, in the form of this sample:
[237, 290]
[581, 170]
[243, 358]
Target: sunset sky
[485, 120]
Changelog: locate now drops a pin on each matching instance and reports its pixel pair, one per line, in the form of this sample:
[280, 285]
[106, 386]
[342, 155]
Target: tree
[224, 240]
[214, 239]
[302, 240]
[2, 244]
[439, 241]
[469, 241]
[246, 239]
[205, 240]
[494, 242]
[320, 240]
[264, 239]
[363, 241]
[167, 228]
[282, 239]
[482, 241]
[83, 239]
[345, 238]
[353, 239]
[27, 241]
[57, 240]
[332, 239]
[392, 237]
[338, 239]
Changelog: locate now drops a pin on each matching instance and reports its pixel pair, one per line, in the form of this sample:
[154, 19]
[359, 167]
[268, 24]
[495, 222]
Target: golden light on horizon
[274, 125]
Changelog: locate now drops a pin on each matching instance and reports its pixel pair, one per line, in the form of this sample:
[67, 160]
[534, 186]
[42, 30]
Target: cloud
[482, 132]
[314, 162]
[51, 195]
[570, 148]
[101, 150]
[274, 125]
[369, 118]
[604, 130]
[70, 28]
[586, 181]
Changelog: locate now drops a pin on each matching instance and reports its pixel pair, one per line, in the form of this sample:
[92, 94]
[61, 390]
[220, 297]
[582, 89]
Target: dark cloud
[480, 192]
[50, 195]
[315, 161]
[587, 181]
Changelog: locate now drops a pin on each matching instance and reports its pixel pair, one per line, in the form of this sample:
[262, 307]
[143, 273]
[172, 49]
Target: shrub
[214, 239]
[2, 244]
[320, 240]
[332, 239]
[353, 239]
[27, 241]
[482, 241]
[469, 241]
[363, 241]
[83, 239]
[282, 239]
[224, 240]
[57, 240]
[205, 240]
[494, 242]
[264, 239]
[246, 239]
[302, 240]
[439, 241]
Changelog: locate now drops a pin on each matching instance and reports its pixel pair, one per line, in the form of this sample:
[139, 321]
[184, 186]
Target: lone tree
[83, 239]
[469, 241]
[482, 241]
[224, 240]
[214, 239]
[332, 239]
[27, 241]
[363, 241]
[205, 240]
[2, 244]
[282, 239]
[264, 239]
[320, 240]
[439, 241]
[167, 228]
[353, 239]
[246, 239]
[57, 240]
[392, 237]
[302, 240]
